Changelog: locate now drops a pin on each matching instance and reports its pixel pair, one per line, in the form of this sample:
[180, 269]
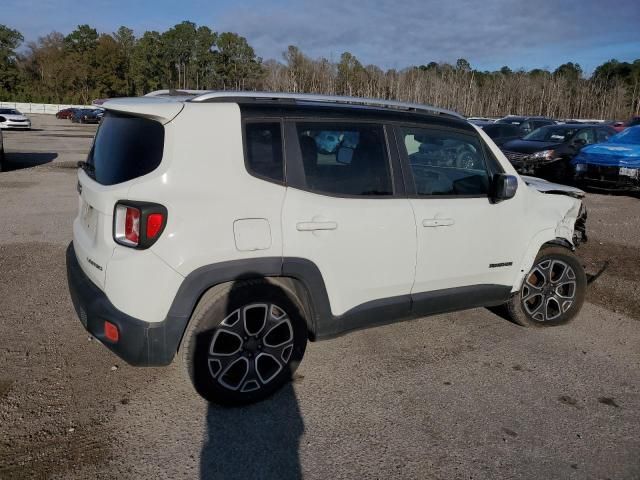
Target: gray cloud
[396, 34]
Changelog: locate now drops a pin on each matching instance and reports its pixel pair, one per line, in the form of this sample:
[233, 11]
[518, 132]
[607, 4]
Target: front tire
[553, 291]
[244, 342]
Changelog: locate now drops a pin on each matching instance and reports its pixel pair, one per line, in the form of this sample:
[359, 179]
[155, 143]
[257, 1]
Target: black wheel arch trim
[156, 343]
[561, 242]
[314, 298]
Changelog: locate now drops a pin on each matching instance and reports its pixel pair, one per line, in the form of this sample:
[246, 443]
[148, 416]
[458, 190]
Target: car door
[345, 211]
[467, 245]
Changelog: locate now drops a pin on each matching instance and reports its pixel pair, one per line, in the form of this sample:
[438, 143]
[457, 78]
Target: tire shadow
[20, 160]
[257, 441]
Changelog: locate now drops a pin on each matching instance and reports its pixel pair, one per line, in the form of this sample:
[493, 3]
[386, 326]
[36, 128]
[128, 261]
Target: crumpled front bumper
[580, 228]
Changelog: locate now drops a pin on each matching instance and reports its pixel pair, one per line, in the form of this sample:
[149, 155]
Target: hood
[545, 186]
[529, 146]
[12, 116]
[610, 154]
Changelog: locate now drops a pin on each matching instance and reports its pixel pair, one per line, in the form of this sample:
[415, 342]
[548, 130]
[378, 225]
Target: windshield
[551, 134]
[630, 135]
[125, 147]
[9, 111]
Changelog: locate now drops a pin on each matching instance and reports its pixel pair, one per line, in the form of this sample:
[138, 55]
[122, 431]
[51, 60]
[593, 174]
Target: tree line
[85, 65]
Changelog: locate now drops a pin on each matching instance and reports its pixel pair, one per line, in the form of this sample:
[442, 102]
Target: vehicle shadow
[20, 160]
[260, 440]
[257, 441]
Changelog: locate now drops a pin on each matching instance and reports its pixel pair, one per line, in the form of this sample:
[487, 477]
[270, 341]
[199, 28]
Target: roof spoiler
[158, 109]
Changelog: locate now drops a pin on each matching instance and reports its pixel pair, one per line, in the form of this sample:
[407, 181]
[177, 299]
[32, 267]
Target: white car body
[14, 120]
[367, 250]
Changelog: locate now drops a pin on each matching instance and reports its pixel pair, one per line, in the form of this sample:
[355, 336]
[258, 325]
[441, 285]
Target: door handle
[437, 222]
[313, 226]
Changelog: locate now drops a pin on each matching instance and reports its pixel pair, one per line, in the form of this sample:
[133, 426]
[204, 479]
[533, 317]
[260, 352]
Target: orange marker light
[111, 332]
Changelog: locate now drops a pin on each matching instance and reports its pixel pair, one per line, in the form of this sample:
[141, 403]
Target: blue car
[613, 165]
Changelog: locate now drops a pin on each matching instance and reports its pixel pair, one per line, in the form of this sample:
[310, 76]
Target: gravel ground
[464, 395]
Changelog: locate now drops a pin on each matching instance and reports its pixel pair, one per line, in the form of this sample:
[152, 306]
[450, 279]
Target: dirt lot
[466, 395]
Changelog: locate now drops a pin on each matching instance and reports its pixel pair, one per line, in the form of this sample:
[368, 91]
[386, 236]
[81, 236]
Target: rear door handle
[313, 226]
[437, 222]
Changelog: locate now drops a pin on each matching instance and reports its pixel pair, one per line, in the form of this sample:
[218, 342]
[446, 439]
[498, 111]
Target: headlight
[548, 154]
[581, 167]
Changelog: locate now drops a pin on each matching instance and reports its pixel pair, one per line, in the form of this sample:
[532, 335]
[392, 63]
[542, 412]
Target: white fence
[46, 108]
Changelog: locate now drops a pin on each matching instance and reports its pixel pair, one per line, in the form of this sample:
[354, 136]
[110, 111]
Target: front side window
[264, 150]
[586, 135]
[527, 127]
[445, 163]
[344, 159]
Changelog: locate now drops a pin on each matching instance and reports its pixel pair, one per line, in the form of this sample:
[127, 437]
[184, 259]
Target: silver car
[10, 118]
[1, 152]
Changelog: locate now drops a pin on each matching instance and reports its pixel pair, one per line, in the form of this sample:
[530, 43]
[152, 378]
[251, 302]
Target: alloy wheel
[549, 290]
[250, 347]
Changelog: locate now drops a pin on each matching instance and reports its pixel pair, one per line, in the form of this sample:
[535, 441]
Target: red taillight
[138, 224]
[132, 225]
[111, 332]
[126, 228]
[154, 224]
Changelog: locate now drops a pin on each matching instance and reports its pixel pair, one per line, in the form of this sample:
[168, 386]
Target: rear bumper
[140, 343]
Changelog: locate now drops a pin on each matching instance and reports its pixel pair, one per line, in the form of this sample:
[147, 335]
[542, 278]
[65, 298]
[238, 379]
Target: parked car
[10, 118]
[481, 119]
[612, 165]
[500, 132]
[633, 122]
[616, 125]
[66, 113]
[233, 264]
[548, 151]
[526, 124]
[85, 115]
[1, 152]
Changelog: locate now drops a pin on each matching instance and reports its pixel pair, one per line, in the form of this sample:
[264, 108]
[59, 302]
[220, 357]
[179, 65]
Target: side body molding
[321, 322]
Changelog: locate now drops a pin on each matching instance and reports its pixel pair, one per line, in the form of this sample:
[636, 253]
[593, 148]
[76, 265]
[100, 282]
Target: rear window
[125, 148]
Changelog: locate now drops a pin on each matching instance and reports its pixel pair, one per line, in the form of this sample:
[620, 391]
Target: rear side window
[345, 159]
[125, 148]
[264, 150]
[445, 163]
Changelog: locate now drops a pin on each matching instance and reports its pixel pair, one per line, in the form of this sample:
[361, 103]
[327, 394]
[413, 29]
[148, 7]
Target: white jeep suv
[228, 229]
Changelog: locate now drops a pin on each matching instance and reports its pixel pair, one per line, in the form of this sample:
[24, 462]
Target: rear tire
[244, 341]
[552, 293]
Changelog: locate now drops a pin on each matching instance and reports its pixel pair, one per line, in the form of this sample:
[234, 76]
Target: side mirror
[2, 119]
[504, 187]
[344, 155]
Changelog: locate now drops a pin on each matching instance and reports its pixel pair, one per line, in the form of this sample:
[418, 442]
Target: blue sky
[390, 33]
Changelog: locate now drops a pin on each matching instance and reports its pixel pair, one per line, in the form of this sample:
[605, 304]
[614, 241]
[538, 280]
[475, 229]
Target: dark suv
[548, 151]
[527, 124]
[500, 133]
